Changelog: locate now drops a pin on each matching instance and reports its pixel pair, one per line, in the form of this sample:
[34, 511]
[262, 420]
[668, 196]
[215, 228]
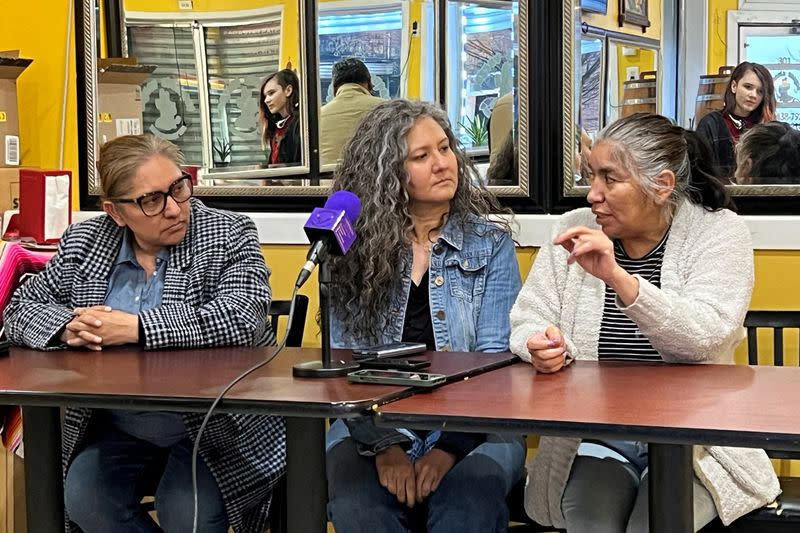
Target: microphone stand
[324, 368]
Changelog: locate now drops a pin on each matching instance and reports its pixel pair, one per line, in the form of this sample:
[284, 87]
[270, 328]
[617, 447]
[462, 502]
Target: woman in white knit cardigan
[659, 269]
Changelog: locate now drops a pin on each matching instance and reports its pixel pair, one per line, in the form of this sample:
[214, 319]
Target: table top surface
[667, 403]
[190, 379]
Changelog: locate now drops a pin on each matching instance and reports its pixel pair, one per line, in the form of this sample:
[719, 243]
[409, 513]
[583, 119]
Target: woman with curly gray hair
[428, 266]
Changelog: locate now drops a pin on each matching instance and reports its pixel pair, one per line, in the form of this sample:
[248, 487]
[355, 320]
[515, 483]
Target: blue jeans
[470, 498]
[108, 478]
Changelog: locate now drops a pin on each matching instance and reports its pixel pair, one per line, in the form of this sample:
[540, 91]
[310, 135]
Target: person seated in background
[749, 99]
[659, 269]
[279, 116]
[158, 270]
[352, 99]
[769, 154]
[428, 266]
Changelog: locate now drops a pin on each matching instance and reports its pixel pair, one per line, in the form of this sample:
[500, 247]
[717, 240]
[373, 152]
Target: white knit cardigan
[696, 317]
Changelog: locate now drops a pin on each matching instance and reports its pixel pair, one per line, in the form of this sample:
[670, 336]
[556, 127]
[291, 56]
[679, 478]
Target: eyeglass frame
[138, 200]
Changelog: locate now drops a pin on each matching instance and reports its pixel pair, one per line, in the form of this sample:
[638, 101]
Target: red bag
[45, 204]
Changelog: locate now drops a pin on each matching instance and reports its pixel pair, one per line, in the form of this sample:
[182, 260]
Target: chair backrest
[777, 321]
[280, 308]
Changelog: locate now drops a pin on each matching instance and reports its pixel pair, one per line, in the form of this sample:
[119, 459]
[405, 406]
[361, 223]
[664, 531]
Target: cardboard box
[11, 67]
[9, 189]
[119, 94]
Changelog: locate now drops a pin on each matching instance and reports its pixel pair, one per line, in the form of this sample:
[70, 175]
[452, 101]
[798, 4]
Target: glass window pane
[781, 55]
[171, 106]
[480, 68]
[239, 58]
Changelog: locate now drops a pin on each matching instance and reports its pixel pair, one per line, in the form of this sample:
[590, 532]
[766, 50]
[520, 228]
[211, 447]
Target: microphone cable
[228, 387]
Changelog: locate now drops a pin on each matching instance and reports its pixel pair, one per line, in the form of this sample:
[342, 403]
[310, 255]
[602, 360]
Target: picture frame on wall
[594, 6]
[634, 12]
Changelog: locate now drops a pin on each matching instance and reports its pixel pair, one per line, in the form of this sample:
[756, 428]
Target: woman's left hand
[430, 469]
[591, 249]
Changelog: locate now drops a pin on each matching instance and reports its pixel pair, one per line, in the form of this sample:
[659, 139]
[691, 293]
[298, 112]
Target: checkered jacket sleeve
[40, 308]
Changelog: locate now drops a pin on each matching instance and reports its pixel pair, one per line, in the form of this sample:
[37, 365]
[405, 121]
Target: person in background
[658, 270]
[158, 270]
[501, 124]
[279, 115]
[769, 154]
[352, 99]
[428, 266]
[749, 100]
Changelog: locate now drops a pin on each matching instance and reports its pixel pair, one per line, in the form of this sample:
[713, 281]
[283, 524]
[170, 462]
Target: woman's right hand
[548, 350]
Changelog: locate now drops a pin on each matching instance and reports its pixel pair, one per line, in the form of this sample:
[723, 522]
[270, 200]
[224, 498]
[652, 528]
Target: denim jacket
[473, 282]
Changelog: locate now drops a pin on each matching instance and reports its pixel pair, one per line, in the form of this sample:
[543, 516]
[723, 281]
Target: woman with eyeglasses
[160, 270]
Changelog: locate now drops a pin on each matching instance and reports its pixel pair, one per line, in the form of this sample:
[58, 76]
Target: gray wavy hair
[373, 167]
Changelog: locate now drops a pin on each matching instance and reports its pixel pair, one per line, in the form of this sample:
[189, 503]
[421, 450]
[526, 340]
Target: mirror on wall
[378, 51]
[197, 77]
[615, 70]
[213, 82]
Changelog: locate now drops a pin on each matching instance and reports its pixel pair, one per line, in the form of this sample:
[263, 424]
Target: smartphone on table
[397, 377]
[389, 350]
[396, 363]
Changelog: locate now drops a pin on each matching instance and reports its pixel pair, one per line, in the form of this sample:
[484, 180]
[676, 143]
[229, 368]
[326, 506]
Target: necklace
[737, 122]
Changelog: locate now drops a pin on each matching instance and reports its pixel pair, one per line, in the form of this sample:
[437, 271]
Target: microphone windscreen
[345, 201]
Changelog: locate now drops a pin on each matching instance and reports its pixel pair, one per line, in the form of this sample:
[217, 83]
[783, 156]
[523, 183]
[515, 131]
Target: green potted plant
[222, 148]
[475, 128]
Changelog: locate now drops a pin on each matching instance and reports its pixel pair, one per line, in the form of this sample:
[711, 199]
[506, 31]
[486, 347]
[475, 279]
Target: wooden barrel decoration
[710, 93]
[640, 96]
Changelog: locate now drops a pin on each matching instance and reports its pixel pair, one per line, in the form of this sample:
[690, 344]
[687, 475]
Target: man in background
[340, 117]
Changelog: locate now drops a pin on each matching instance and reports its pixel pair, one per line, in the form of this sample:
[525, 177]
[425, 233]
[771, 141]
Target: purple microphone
[330, 228]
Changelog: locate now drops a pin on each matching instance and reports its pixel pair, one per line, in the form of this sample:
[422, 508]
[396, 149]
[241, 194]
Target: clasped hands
[412, 483]
[100, 326]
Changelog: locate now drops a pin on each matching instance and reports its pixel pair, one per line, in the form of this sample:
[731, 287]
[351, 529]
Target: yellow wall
[718, 32]
[39, 31]
[610, 20]
[644, 58]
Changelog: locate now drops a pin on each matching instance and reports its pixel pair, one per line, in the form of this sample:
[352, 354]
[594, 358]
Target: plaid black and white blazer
[216, 293]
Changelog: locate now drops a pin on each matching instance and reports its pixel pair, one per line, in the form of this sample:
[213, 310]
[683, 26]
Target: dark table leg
[671, 492]
[306, 483]
[44, 487]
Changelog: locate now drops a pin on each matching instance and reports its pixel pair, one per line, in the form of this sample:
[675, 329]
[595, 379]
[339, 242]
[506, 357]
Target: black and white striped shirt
[620, 339]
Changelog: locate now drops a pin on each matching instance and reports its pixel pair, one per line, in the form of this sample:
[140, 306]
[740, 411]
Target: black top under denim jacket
[417, 327]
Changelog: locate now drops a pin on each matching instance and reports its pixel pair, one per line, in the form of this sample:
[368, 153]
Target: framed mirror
[689, 84]
[198, 77]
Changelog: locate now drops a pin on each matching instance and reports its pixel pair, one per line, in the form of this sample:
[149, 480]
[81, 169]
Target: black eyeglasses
[154, 203]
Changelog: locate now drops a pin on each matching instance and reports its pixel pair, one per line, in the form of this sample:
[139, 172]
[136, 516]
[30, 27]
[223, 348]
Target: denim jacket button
[438, 248]
[440, 314]
[439, 281]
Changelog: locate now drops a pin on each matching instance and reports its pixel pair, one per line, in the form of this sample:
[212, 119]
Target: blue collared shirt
[132, 291]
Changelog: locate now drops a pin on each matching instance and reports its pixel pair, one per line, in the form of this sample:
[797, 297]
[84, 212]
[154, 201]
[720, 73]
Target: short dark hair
[350, 70]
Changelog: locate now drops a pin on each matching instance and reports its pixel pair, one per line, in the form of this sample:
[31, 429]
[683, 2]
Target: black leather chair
[784, 515]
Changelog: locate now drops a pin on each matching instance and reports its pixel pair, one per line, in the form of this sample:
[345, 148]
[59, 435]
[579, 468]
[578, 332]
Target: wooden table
[188, 380]
[669, 406]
